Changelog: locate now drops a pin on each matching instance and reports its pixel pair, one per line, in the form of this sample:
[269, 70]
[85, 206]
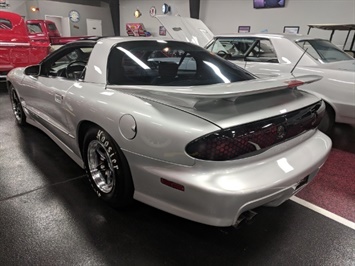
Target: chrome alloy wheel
[100, 166]
[16, 106]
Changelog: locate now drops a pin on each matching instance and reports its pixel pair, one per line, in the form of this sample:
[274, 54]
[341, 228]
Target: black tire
[17, 107]
[107, 168]
[327, 123]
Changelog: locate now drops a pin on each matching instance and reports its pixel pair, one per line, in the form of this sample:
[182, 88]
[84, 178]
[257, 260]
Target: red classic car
[16, 47]
[46, 30]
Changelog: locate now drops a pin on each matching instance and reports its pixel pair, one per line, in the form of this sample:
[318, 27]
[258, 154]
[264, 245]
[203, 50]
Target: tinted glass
[324, 51]
[51, 26]
[169, 63]
[34, 28]
[5, 24]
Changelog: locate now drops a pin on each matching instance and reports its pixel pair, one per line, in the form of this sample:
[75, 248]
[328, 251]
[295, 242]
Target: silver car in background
[169, 124]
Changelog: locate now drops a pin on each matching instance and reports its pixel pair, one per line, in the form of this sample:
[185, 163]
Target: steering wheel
[74, 69]
[224, 54]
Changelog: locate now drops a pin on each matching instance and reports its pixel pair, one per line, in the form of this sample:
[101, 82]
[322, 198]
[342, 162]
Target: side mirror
[32, 70]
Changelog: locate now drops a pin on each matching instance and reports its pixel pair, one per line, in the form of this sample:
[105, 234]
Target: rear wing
[193, 95]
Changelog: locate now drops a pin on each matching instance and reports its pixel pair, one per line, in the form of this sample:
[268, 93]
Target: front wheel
[107, 168]
[17, 107]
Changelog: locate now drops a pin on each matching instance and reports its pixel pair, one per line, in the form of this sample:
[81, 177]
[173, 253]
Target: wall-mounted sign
[152, 11]
[243, 29]
[162, 31]
[74, 16]
[3, 4]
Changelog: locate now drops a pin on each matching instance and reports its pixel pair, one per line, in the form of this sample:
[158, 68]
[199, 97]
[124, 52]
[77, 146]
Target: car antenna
[298, 61]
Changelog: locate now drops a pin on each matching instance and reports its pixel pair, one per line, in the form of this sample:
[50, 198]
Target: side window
[232, 48]
[5, 24]
[262, 51]
[69, 64]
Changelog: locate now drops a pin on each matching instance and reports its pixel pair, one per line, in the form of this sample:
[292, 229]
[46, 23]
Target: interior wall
[127, 8]
[16, 6]
[224, 16]
[101, 12]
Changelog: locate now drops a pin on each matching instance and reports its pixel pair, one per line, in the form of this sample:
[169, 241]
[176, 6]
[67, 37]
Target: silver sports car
[173, 126]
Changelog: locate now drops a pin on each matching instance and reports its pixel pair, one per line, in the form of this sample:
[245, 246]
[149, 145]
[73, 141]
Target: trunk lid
[227, 105]
[346, 65]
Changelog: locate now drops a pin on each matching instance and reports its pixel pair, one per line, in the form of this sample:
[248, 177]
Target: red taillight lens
[294, 83]
[256, 137]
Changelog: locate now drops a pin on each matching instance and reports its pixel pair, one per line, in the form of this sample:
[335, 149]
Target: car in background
[46, 30]
[16, 48]
[205, 140]
[277, 54]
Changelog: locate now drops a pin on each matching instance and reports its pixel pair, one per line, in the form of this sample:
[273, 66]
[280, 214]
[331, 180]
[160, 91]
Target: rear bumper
[217, 193]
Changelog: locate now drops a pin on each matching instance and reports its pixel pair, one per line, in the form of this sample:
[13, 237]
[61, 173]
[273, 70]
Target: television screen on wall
[268, 3]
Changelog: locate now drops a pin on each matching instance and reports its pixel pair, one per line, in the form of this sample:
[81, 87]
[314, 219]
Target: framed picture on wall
[243, 29]
[162, 31]
[292, 29]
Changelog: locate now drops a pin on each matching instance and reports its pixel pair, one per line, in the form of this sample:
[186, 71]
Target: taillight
[252, 138]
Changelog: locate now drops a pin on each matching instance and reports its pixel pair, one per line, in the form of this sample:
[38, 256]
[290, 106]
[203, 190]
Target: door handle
[58, 98]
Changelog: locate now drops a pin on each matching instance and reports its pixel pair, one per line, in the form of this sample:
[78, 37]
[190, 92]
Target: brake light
[253, 138]
[294, 83]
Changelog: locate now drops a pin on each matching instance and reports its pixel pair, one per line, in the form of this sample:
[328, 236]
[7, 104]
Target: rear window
[51, 26]
[169, 63]
[5, 24]
[34, 28]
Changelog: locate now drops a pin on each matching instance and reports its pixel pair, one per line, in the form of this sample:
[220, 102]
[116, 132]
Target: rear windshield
[52, 27]
[34, 28]
[169, 63]
[324, 51]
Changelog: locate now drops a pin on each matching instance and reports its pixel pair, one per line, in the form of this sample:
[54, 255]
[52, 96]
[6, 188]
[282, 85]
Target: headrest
[168, 69]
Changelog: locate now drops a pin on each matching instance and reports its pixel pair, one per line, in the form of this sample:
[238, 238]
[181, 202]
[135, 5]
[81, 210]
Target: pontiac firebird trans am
[171, 125]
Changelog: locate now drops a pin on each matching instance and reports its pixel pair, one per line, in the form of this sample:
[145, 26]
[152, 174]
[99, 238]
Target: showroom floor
[50, 216]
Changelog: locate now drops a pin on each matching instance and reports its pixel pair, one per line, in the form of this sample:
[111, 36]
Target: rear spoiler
[193, 95]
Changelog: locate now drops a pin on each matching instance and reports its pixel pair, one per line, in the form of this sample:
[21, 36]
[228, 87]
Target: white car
[278, 54]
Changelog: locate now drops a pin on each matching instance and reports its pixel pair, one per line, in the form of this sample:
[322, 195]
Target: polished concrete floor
[50, 216]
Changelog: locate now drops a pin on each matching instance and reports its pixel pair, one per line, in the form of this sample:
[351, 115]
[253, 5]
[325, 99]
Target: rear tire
[107, 168]
[326, 125]
[17, 107]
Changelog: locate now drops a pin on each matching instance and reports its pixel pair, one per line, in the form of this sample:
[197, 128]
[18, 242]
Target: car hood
[186, 29]
[221, 104]
[346, 65]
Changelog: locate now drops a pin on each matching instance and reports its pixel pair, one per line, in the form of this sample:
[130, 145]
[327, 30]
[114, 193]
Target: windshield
[169, 63]
[324, 51]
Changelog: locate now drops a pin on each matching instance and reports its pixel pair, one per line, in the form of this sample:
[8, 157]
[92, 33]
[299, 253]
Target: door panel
[46, 103]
